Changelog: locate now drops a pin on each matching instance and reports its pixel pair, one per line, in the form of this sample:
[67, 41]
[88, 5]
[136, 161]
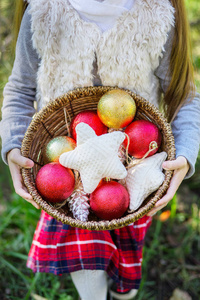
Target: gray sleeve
[19, 92]
[186, 130]
[186, 125]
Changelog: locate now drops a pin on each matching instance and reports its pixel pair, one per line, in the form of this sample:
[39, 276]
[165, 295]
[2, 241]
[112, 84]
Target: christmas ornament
[95, 157]
[144, 178]
[143, 137]
[91, 118]
[54, 182]
[116, 109]
[110, 200]
[78, 203]
[56, 147]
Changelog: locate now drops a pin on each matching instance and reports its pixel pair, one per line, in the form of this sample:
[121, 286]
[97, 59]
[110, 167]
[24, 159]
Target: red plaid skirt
[59, 248]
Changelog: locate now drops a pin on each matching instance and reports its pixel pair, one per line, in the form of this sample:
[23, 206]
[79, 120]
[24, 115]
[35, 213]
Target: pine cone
[78, 204]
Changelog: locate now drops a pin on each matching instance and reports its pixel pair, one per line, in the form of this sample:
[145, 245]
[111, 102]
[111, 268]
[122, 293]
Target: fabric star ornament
[144, 178]
[95, 157]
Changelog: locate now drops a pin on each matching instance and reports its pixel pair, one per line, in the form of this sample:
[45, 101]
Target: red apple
[54, 182]
[109, 200]
[91, 118]
[142, 134]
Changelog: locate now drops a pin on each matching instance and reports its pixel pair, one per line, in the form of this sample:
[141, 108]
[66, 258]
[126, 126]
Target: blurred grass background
[171, 267]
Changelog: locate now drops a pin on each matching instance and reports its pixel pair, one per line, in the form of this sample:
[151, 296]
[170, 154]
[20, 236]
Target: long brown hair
[20, 6]
[181, 67]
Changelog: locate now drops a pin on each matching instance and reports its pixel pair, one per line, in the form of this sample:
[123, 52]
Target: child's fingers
[176, 180]
[19, 187]
[163, 201]
[17, 182]
[154, 211]
[25, 195]
[15, 157]
[15, 162]
[178, 163]
[22, 192]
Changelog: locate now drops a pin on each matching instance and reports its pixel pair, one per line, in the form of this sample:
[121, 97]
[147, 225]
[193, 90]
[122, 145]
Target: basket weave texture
[51, 122]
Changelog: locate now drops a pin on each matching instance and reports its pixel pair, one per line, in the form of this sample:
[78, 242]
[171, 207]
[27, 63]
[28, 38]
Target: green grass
[171, 257]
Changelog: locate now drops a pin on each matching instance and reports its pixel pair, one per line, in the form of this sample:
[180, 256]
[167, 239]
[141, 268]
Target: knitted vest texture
[127, 55]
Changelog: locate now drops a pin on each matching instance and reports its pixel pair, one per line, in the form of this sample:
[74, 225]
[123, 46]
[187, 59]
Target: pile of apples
[116, 110]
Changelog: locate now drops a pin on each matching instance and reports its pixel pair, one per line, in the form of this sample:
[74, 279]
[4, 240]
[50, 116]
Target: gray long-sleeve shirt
[19, 97]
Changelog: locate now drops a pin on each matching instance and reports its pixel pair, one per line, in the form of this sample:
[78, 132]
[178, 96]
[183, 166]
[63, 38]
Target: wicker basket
[51, 122]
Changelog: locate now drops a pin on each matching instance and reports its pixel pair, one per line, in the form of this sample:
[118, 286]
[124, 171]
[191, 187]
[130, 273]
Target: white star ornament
[144, 178]
[95, 157]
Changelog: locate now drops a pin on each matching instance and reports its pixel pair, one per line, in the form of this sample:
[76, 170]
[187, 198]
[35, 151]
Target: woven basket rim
[61, 101]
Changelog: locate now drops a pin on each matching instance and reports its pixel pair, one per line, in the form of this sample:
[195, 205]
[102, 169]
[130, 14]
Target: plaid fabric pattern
[59, 248]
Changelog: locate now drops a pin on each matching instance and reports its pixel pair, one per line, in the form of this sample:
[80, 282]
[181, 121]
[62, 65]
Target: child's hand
[15, 162]
[180, 167]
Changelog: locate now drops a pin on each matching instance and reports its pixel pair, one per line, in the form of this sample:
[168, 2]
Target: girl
[134, 44]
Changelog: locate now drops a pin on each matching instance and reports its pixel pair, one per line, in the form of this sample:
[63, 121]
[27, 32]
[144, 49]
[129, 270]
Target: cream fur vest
[127, 55]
